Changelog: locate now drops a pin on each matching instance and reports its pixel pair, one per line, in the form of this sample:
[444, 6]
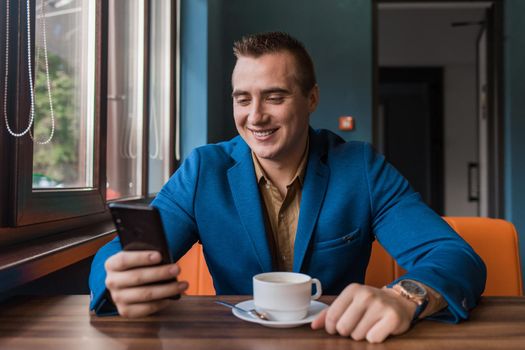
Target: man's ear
[313, 98]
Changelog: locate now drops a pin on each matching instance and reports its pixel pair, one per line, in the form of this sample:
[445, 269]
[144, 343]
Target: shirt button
[281, 216]
[267, 186]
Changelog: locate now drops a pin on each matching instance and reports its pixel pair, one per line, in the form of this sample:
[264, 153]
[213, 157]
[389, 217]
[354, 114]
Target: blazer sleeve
[175, 202]
[421, 241]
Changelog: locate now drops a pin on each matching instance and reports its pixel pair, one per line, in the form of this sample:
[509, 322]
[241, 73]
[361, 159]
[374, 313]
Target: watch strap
[419, 310]
[421, 302]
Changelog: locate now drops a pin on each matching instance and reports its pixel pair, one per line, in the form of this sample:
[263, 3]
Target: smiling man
[282, 196]
[271, 111]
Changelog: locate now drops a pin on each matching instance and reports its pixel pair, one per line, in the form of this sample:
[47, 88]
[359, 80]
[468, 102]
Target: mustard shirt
[282, 216]
[282, 213]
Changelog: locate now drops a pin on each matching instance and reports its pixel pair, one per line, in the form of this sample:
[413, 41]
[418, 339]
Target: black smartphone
[139, 227]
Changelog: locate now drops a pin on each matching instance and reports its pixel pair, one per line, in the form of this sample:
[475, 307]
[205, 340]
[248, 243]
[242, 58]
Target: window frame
[174, 128]
[6, 142]
[27, 214]
[146, 104]
[145, 196]
[36, 206]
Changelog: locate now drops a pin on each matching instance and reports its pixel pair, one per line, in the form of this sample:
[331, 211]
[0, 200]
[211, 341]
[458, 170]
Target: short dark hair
[256, 45]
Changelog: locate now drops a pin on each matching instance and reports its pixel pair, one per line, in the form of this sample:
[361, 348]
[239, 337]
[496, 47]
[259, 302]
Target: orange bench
[495, 240]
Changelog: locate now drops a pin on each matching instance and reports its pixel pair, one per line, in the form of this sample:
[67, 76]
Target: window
[110, 67]
[140, 104]
[125, 98]
[64, 62]
[161, 92]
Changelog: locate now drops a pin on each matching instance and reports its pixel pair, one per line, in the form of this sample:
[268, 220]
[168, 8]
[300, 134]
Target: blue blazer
[350, 197]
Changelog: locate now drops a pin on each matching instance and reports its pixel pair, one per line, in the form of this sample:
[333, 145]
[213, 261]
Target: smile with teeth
[263, 133]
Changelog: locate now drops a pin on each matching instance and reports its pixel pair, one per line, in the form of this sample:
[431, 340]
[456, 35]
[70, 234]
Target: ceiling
[423, 36]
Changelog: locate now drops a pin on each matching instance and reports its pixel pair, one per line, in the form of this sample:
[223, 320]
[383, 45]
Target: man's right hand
[129, 278]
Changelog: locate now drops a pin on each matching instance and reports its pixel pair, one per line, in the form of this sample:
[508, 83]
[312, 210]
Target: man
[282, 196]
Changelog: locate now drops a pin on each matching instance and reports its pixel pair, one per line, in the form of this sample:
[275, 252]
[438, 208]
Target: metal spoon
[252, 312]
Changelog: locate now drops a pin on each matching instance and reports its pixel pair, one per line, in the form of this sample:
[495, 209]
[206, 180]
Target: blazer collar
[314, 190]
[243, 184]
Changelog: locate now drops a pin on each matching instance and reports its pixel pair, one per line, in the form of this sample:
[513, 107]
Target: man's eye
[276, 99]
[243, 101]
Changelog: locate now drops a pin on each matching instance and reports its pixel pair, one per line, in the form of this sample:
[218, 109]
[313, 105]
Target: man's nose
[257, 115]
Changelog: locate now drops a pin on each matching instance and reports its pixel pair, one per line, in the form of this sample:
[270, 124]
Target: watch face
[413, 288]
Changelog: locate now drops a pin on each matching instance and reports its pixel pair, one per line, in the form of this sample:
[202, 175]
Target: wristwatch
[415, 292]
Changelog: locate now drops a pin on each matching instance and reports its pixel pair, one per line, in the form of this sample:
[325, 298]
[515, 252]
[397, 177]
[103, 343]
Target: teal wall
[194, 74]
[515, 118]
[338, 35]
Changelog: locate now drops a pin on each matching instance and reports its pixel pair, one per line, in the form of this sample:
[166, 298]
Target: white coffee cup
[284, 296]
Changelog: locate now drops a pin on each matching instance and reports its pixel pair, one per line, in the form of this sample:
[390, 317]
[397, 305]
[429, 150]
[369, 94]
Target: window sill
[25, 262]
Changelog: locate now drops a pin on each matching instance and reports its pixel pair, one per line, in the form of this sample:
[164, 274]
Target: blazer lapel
[246, 197]
[314, 189]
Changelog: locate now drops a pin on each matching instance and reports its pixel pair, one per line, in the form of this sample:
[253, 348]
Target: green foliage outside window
[55, 163]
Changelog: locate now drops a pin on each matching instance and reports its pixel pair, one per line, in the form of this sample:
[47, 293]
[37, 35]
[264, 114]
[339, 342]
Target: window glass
[125, 98]
[159, 94]
[64, 79]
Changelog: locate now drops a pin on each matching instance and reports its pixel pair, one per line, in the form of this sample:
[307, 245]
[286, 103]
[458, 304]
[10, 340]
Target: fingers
[141, 276]
[364, 312]
[354, 314]
[145, 294]
[143, 301]
[365, 323]
[127, 260]
[138, 285]
[338, 308]
[142, 309]
[319, 321]
[382, 329]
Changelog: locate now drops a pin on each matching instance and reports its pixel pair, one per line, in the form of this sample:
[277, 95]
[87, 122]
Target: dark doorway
[464, 40]
[411, 127]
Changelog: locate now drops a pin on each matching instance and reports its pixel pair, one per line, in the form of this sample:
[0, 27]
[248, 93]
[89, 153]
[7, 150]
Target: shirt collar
[299, 174]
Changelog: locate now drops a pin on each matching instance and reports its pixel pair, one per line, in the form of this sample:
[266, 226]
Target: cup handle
[318, 289]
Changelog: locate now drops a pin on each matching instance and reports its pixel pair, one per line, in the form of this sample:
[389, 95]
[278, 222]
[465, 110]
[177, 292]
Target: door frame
[496, 145]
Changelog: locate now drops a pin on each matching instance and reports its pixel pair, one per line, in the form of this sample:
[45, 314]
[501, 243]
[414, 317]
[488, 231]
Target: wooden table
[198, 323]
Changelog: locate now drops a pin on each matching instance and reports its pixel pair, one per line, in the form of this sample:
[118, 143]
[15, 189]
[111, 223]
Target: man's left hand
[364, 312]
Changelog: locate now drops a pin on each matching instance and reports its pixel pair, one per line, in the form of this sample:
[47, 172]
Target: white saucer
[315, 308]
